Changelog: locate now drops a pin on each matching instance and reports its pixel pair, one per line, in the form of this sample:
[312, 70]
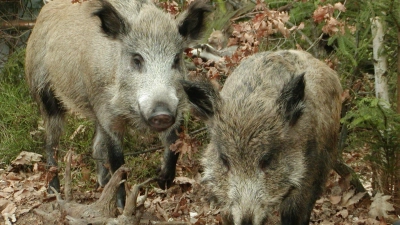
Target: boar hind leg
[53, 115]
[107, 152]
[168, 168]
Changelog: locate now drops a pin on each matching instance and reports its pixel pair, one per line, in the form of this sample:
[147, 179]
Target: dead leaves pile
[22, 186]
[341, 205]
[184, 202]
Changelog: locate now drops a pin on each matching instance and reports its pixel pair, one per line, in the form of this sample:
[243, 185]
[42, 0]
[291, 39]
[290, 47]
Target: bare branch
[17, 24]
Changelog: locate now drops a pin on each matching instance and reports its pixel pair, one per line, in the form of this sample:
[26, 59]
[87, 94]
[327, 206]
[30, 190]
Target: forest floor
[23, 194]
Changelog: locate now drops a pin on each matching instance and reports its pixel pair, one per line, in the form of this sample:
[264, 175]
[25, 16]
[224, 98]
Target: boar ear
[291, 100]
[191, 22]
[202, 97]
[112, 23]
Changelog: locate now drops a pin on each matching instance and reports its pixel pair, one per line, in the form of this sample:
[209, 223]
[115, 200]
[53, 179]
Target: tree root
[104, 210]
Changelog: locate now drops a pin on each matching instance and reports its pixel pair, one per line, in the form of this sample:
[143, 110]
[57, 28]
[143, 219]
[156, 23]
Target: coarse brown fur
[116, 62]
[274, 130]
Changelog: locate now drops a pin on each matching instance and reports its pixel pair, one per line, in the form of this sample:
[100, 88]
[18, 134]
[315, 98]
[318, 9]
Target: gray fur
[112, 61]
[273, 136]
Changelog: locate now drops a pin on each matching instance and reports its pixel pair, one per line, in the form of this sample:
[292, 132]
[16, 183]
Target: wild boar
[116, 62]
[273, 135]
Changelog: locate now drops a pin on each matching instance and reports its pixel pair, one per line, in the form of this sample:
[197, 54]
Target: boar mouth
[159, 122]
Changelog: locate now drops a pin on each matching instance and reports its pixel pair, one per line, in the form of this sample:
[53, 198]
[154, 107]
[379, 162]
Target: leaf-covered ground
[23, 194]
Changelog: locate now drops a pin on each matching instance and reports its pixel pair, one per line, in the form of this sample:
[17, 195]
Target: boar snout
[158, 108]
[161, 118]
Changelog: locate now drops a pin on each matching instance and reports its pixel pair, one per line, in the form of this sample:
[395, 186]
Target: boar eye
[137, 61]
[224, 160]
[267, 162]
[175, 65]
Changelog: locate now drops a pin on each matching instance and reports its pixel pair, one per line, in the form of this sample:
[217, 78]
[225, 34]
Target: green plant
[18, 115]
[374, 124]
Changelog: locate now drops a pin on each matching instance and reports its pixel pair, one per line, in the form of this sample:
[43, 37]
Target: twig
[80, 129]
[301, 33]
[130, 208]
[17, 24]
[315, 42]
[162, 211]
[145, 151]
[195, 132]
[250, 15]
[67, 185]
[344, 3]
[198, 131]
[58, 195]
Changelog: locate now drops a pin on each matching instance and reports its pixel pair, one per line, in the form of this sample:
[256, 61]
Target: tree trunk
[380, 61]
[397, 154]
[381, 92]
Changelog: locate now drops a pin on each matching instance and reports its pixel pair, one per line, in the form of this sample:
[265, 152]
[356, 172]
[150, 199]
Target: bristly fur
[197, 11]
[202, 96]
[116, 62]
[273, 137]
[112, 23]
[292, 99]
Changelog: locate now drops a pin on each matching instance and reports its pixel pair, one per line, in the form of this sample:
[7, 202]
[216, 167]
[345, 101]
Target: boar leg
[53, 116]
[107, 151]
[100, 154]
[168, 168]
[297, 208]
[299, 216]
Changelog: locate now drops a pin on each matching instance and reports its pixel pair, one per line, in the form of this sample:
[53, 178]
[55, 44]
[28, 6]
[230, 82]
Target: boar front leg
[109, 156]
[168, 168]
[297, 208]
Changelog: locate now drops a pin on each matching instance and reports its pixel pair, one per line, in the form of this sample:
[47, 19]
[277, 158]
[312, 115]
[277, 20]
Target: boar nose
[247, 221]
[161, 118]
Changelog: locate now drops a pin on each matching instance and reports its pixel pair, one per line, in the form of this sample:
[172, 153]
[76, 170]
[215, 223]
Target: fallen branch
[104, 210]
[17, 24]
[67, 186]
[344, 170]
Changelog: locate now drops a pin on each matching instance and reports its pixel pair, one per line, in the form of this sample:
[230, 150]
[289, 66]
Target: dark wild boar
[116, 62]
[274, 130]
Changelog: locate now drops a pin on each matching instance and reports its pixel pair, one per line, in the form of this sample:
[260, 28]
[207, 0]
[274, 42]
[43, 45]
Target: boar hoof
[55, 183]
[165, 181]
[164, 184]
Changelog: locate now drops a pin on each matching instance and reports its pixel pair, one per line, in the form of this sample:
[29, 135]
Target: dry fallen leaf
[184, 180]
[343, 213]
[355, 198]
[335, 199]
[349, 198]
[380, 206]
[339, 6]
[8, 209]
[26, 158]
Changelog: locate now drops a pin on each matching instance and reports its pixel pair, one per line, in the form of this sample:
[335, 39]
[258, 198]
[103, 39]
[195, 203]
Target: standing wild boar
[274, 129]
[116, 62]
